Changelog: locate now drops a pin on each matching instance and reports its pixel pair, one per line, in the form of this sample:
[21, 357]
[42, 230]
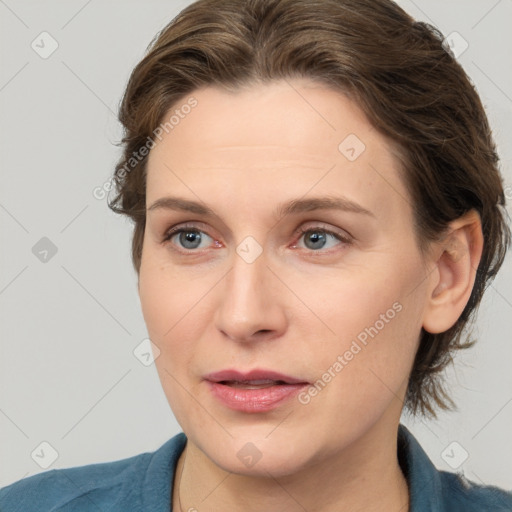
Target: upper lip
[252, 375]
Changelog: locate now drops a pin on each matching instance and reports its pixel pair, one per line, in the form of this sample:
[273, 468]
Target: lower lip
[254, 400]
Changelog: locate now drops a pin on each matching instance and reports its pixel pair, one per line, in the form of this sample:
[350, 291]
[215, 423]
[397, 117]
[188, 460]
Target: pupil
[314, 238]
[190, 239]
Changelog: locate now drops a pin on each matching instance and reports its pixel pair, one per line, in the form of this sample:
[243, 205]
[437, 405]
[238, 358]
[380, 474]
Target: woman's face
[297, 262]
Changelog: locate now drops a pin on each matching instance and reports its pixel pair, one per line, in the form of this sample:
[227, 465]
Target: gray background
[68, 326]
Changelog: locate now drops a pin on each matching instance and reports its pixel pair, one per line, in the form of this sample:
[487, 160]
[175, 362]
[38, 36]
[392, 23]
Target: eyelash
[340, 238]
[301, 232]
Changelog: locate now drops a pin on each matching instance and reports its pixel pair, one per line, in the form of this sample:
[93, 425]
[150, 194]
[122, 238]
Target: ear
[456, 261]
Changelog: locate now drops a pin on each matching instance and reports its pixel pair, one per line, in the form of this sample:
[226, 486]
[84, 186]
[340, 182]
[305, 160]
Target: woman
[317, 210]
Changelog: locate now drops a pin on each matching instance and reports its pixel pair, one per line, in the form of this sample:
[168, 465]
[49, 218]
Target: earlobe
[458, 257]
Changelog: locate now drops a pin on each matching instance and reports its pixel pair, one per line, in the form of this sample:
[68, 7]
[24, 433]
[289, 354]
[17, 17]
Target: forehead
[279, 140]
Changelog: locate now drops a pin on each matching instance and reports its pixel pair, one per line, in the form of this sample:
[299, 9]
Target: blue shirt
[143, 483]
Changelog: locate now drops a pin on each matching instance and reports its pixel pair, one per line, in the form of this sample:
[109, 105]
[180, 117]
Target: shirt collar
[423, 479]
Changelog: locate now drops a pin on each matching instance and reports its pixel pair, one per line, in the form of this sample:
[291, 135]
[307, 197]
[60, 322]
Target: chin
[252, 452]
[273, 464]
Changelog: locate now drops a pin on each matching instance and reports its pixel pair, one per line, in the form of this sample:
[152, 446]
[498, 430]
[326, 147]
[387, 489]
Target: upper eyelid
[192, 226]
[333, 231]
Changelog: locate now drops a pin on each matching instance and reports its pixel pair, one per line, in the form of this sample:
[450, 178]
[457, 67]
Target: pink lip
[253, 400]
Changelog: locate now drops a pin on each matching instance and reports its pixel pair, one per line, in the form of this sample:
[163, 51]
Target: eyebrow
[294, 206]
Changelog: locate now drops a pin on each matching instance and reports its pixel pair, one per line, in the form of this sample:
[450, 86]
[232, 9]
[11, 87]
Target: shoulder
[125, 484]
[462, 494]
[442, 491]
[53, 489]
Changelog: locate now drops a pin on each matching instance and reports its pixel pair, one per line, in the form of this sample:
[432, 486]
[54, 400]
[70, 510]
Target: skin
[294, 309]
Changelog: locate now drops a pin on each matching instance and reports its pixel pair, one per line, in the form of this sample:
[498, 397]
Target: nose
[251, 304]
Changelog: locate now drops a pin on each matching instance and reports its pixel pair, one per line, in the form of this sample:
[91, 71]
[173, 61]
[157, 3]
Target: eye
[321, 238]
[188, 238]
[191, 239]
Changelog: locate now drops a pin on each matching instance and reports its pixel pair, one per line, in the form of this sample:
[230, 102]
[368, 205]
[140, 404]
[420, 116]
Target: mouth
[256, 391]
[253, 384]
[256, 377]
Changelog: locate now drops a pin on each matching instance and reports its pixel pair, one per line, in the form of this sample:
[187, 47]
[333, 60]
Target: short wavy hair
[396, 69]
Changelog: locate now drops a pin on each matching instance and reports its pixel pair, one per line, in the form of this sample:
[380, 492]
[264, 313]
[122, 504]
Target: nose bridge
[246, 284]
[248, 278]
[249, 303]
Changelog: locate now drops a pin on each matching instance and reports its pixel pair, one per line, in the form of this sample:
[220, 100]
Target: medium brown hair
[399, 73]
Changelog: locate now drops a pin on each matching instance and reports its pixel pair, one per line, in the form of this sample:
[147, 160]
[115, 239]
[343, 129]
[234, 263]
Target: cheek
[158, 302]
[169, 304]
[166, 296]
[176, 309]
[373, 322]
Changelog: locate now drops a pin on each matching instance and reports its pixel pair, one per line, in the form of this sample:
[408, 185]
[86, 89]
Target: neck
[364, 476]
